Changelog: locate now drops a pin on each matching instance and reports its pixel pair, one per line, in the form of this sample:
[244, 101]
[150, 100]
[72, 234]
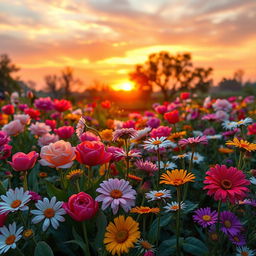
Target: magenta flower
[44, 104]
[193, 141]
[238, 239]
[230, 223]
[116, 193]
[65, 132]
[146, 166]
[124, 133]
[205, 217]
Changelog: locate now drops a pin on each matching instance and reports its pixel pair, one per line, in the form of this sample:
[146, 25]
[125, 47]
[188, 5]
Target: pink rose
[81, 206]
[13, 128]
[65, 132]
[5, 151]
[8, 109]
[92, 153]
[47, 138]
[161, 131]
[23, 162]
[24, 119]
[39, 129]
[89, 136]
[4, 138]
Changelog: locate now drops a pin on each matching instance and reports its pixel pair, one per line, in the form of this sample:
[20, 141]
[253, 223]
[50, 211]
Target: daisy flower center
[157, 142]
[214, 236]
[195, 158]
[244, 254]
[27, 233]
[158, 194]
[175, 207]
[49, 213]
[207, 217]
[122, 236]
[227, 224]
[16, 203]
[116, 193]
[226, 184]
[146, 245]
[10, 239]
[236, 239]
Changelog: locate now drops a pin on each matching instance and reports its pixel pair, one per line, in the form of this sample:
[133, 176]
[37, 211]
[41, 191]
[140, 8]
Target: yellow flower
[144, 210]
[177, 135]
[121, 235]
[243, 144]
[72, 117]
[74, 174]
[28, 233]
[177, 177]
[107, 134]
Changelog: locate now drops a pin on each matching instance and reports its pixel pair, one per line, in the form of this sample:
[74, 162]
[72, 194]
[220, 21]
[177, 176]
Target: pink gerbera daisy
[146, 166]
[226, 183]
[193, 140]
[116, 193]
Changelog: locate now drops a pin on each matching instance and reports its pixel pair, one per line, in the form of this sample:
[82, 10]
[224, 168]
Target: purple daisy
[205, 217]
[238, 239]
[124, 133]
[116, 193]
[146, 166]
[230, 223]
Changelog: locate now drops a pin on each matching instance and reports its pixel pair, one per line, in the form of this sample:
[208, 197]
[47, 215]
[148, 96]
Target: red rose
[185, 95]
[62, 105]
[81, 206]
[92, 153]
[8, 109]
[33, 113]
[172, 117]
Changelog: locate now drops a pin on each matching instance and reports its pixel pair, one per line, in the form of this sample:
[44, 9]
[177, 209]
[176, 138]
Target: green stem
[178, 222]
[77, 186]
[240, 160]
[86, 239]
[158, 229]
[144, 226]
[19, 251]
[25, 181]
[158, 162]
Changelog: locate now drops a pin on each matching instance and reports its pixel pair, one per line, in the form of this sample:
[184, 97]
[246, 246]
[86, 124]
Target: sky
[104, 39]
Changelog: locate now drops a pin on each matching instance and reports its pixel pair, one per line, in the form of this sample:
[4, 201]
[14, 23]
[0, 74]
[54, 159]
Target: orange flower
[225, 150]
[144, 210]
[134, 177]
[177, 177]
[243, 144]
[59, 155]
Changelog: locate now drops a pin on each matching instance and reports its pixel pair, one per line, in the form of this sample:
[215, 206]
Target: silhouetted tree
[7, 68]
[238, 76]
[171, 73]
[52, 84]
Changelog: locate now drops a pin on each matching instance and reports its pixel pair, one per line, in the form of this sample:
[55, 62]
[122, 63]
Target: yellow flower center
[226, 184]
[158, 194]
[27, 233]
[10, 239]
[195, 158]
[240, 122]
[227, 224]
[16, 203]
[244, 253]
[157, 142]
[146, 245]
[122, 236]
[49, 213]
[207, 217]
[175, 207]
[214, 236]
[116, 193]
[180, 156]
[236, 239]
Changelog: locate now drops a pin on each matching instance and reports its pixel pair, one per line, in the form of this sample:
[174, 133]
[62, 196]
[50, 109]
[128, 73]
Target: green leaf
[2, 188]
[194, 246]
[168, 247]
[164, 221]
[189, 207]
[33, 178]
[79, 243]
[43, 249]
[53, 191]
[101, 222]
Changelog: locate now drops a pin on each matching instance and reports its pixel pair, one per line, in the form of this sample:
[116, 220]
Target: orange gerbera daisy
[134, 177]
[225, 150]
[243, 144]
[177, 135]
[177, 177]
[144, 210]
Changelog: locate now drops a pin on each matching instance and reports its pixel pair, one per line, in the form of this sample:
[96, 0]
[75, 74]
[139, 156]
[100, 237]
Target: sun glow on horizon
[124, 86]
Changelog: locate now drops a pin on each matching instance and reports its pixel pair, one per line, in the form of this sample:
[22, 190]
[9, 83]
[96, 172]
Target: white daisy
[131, 153]
[51, 212]
[179, 156]
[158, 195]
[167, 165]
[214, 137]
[9, 237]
[244, 122]
[156, 143]
[253, 180]
[174, 206]
[141, 133]
[197, 158]
[144, 246]
[197, 133]
[244, 250]
[229, 125]
[14, 200]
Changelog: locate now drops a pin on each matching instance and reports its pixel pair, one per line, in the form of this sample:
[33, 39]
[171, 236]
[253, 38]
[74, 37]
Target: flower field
[89, 179]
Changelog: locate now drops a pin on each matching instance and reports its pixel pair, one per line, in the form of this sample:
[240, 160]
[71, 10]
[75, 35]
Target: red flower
[226, 183]
[65, 132]
[3, 218]
[62, 105]
[252, 129]
[23, 162]
[185, 95]
[106, 104]
[172, 117]
[81, 206]
[92, 153]
[8, 109]
[33, 113]
[51, 123]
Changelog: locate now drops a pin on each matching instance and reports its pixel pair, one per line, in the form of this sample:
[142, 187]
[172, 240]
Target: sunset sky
[103, 39]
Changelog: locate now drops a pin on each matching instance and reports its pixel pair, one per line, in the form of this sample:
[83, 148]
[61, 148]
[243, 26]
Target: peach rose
[59, 155]
[24, 119]
[13, 128]
[47, 138]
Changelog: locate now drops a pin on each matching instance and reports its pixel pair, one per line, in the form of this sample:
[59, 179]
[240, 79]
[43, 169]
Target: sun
[124, 86]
